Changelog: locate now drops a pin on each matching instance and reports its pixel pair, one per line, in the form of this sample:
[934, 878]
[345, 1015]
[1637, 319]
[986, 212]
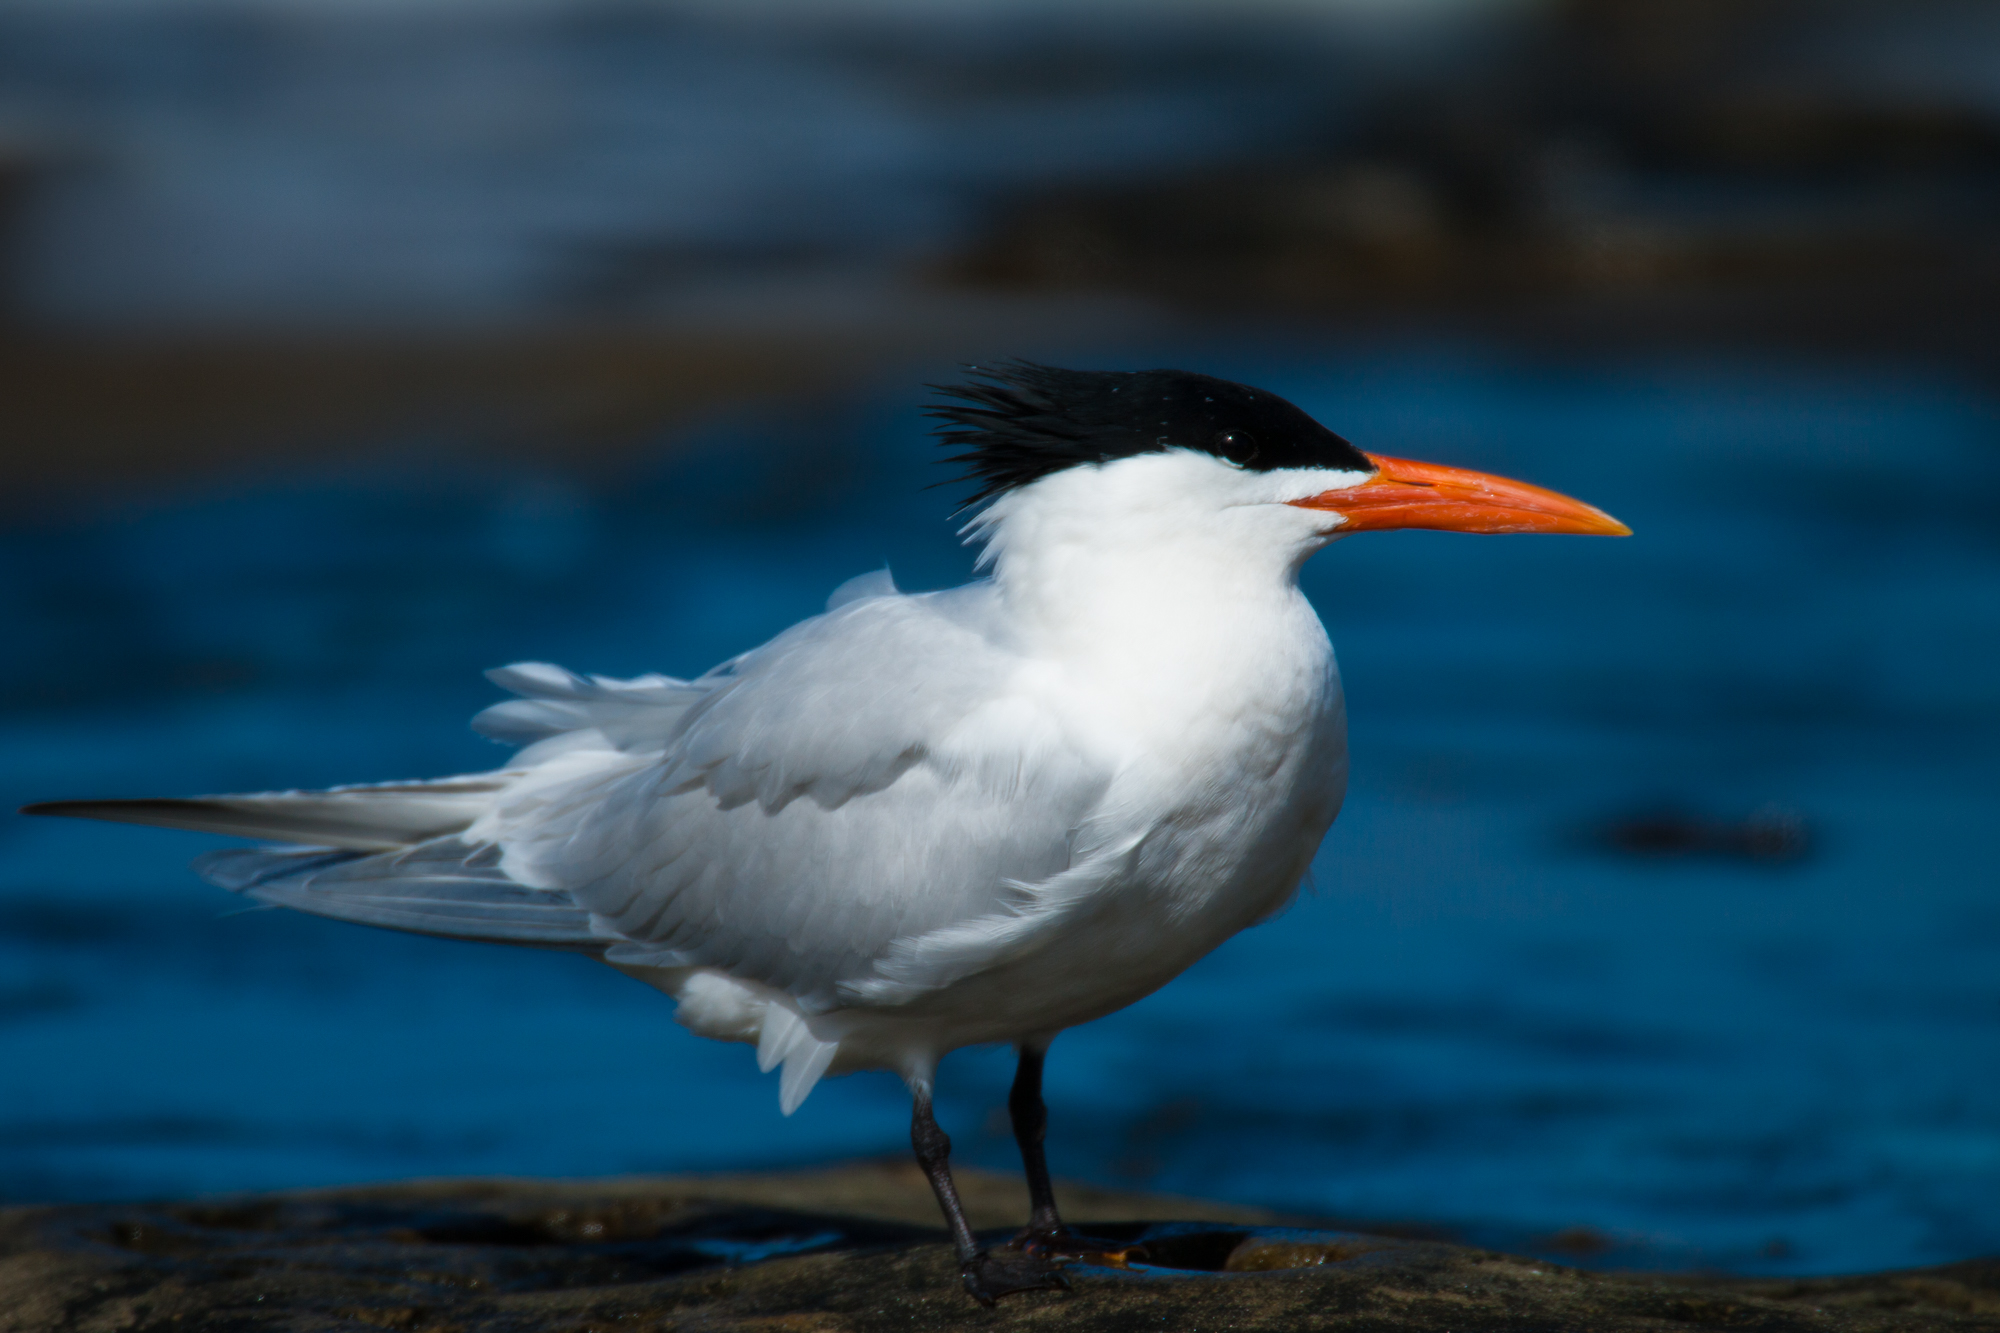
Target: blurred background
[348, 348]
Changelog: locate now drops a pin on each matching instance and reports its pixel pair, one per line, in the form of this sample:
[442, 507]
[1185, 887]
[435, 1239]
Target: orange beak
[1403, 494]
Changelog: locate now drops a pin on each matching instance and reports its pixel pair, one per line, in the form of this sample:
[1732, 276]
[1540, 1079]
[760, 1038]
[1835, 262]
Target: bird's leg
[1030, 1115]
[933, 1147]
[989, 1274]
[1045, 1233]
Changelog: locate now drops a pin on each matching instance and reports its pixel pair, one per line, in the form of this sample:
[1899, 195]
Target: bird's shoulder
[842, 703]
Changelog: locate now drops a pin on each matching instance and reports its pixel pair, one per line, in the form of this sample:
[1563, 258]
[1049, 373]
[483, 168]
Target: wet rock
[849, 1249]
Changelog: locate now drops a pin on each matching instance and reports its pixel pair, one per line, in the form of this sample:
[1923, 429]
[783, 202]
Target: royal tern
[924, 821]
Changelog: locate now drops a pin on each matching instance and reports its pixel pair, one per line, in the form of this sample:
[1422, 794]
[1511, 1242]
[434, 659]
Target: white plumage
[915, 822]
[922, 821]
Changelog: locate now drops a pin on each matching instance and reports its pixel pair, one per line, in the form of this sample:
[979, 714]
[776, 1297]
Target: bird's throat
[1161, 644]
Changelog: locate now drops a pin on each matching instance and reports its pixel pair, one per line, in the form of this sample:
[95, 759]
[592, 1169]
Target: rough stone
[845, 1250]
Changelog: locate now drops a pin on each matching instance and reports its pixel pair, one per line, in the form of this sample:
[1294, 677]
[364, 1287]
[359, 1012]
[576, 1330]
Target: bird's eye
[1239, 445]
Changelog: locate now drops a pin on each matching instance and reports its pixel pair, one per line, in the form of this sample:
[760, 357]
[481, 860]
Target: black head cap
[1027, 421]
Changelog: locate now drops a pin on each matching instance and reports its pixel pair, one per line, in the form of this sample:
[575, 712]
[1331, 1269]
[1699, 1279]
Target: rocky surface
[849, 1249]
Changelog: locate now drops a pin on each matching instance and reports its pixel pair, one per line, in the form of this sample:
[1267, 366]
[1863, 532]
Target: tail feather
[370, 818]
[386, 854]
[445, 887]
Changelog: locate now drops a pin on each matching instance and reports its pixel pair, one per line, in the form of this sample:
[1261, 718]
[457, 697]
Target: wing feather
[372, 817]
[443, 887]
[827, 803]
[865, 808]
[637, 715]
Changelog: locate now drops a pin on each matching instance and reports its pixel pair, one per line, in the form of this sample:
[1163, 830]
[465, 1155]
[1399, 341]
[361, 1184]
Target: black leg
[987, 1275]
[1031, 1125]
[1045, 1234]
[933, 1147]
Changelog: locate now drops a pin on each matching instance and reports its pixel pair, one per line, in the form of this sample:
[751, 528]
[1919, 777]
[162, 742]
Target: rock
[844, 1250]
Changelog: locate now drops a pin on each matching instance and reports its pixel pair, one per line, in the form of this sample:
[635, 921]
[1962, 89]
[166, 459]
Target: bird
[921, 821]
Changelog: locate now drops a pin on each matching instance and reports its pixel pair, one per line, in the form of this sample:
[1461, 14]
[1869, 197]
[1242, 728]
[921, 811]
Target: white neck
[1166, 584]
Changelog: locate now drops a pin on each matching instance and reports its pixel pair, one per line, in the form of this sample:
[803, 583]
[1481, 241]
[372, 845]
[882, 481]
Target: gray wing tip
[123, 809]
[63, 809]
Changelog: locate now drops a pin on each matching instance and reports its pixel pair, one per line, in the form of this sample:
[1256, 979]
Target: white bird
[925, 821]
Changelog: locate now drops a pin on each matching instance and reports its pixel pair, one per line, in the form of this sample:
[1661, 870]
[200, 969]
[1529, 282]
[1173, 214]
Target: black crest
[1020, 422]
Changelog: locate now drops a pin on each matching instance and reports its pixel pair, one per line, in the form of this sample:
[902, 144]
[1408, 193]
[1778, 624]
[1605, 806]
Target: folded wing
[870, 778]
[864, 809]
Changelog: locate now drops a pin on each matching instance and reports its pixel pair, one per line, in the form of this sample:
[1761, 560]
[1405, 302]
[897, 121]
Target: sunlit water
[1482, 1017]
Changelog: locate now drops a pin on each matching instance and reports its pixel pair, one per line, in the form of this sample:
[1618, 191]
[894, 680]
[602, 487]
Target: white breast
[1179, 650]
[1142, 639]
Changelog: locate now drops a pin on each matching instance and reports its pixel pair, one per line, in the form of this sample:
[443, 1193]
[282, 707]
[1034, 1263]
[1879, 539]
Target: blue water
[1481, 1018]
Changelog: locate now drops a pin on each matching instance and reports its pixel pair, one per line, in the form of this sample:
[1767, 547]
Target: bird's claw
[1006, 1269]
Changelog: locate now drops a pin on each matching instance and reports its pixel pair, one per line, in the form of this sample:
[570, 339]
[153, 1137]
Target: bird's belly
[1179, 903]
[1206, 869]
